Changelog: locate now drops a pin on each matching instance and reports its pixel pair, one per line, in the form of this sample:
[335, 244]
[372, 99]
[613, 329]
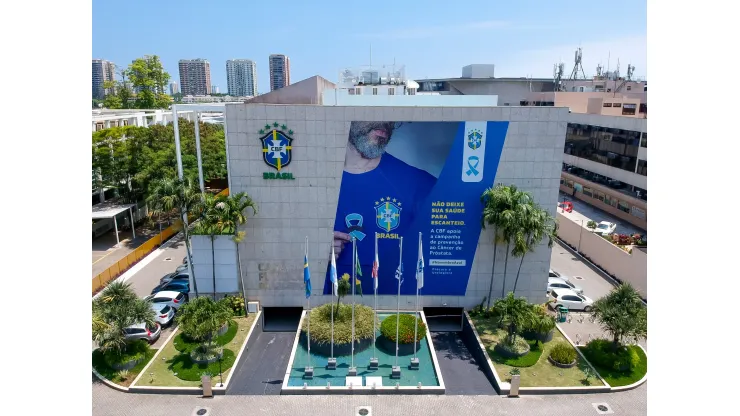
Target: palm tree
[200, 319]
[513, 313]
[533, 224]
[621, 313]
[182, 195]
[234, 207]
[491, 199]
[512, 200]
[118, 307]
[209, 216]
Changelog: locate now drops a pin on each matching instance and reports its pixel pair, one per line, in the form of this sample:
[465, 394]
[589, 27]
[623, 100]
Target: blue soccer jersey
[385, 200]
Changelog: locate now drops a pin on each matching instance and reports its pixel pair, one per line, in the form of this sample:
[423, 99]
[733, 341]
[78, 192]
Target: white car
[571, 300]
[559, 283]
[605, 228]
[553, 273]
[163, 313]
[169, 298]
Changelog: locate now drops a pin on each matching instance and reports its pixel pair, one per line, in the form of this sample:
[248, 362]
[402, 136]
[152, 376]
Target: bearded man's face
[370, 138]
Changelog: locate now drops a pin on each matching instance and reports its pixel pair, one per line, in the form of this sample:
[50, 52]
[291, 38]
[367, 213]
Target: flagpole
[308, 331]
[352, 369]
[331, 302]
[398, 298]
[308, 372]
[416, 320]
[375, 300]
[332, 362]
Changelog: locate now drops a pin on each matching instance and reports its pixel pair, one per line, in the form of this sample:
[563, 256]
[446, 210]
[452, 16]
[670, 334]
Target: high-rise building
[215, 89]
[279, 71]
[102, 71]
[241, 76]
[174, 88]
[195, 76]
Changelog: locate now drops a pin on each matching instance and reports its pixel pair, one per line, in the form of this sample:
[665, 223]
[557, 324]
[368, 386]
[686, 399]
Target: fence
[139, 253]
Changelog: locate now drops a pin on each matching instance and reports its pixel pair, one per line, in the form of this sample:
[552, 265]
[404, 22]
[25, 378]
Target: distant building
[241, 76]
[279, 71]
[174, 88]
[102, 71]
[215, 90]
[195, 76]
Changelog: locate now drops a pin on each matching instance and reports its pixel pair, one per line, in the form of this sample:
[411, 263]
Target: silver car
[173, 299]
[164, 314]
[560, 283]
[142, 331]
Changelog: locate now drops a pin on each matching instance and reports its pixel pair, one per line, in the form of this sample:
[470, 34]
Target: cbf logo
[277, 150]
[388, 213]
[475, 137]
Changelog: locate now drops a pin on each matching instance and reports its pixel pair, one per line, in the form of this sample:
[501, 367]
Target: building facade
[102, 71]
[279, 71]
[174, 88]
[293, 160]
[195, 76]
[241, 77]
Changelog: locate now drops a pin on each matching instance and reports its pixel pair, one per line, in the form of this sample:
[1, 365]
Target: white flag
[420, 268]
[333, 273]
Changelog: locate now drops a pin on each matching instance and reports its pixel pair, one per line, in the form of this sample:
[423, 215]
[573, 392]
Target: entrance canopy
[110, 209]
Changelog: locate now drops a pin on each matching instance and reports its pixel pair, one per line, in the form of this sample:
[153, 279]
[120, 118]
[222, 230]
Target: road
[591, 212]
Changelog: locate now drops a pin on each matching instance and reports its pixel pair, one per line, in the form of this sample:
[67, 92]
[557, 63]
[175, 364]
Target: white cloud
[539, 62]
[421, 32]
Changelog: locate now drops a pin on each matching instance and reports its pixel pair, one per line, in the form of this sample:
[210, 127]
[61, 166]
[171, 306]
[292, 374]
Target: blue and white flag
[420, 268]
[399, 272]
[306, 276]
[333, 273]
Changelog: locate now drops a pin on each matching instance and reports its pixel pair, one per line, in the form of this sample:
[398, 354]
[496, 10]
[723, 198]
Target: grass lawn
[113, 375]
[617, 378]
[170, 359]
[541, 374]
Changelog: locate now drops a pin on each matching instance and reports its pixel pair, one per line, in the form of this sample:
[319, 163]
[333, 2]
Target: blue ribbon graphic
[355, 230]
[473, 162]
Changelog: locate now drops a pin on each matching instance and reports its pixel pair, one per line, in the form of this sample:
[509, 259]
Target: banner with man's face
[405, 178]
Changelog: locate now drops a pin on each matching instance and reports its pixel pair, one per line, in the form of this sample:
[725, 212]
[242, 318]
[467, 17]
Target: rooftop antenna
[599, 69]
[630, 71]
[578, 65]
[371, 54]
[557, 74]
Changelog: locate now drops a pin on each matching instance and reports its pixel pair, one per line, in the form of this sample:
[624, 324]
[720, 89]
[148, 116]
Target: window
[412, 91]
[523, 103]
[375, 90]
[644, 88]
[629, 109]
[571, 298]
[638, 212]
[643, 143]
[391, 91]
[587, 191]
[617, 104]
[607, 104]
[643, 108]
[351, 91]
[623, 206]
[569, 184]
[642, 167]
[629, 88]
[600, 196]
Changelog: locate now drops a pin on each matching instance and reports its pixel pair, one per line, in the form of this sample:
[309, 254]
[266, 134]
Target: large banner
[405, 178]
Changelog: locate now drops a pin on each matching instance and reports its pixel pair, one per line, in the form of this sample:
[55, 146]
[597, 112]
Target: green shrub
[134, 351]
[563, 353]
[184, 344]
[527, 360]
[236, 303]
[321, 323]
[519, 346]
[601, 352]
[405, 329]
[187, 370]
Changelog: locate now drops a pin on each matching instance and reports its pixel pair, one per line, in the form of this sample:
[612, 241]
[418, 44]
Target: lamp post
[579, 237]
[220, 373]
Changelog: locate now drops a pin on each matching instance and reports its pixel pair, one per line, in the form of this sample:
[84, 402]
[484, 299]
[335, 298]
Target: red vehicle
[566, 206]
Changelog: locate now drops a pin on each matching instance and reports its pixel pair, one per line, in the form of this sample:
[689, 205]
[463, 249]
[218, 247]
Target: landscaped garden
[118, 358]
[521, 338]
[207, 342]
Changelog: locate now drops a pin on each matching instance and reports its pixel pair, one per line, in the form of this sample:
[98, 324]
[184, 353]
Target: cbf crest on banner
[388, 214]
[277, 149]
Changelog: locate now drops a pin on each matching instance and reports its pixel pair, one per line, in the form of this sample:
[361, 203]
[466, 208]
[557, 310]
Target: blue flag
[306, 277]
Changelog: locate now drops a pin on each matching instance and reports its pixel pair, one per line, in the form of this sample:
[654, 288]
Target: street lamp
[579, 238]
[220, 374]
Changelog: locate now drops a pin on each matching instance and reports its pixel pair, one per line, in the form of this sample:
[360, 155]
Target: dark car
[176, 286]
[182, 276]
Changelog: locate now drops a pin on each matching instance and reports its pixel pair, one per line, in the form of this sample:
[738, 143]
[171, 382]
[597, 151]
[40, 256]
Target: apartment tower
[102, 71]
[279, 72]
[241, 77]
[195, 77]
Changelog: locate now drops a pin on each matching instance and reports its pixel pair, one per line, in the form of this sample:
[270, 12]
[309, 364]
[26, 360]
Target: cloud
[539, 62]
[421, 32]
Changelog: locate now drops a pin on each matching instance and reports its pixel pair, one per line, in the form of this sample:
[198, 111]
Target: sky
[432, 38]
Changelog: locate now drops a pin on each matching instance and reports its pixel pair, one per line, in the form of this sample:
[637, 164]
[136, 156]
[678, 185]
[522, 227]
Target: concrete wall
[342, 98]
[224, 251]
[628, 268]
[289, 210]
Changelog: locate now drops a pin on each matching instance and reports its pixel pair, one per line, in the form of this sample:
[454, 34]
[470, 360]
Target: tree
[532, 226]
[181, 195]
[200, 318]
[491, 199]
[514, 314]
[591, 224]
[149, 79]
[344, 288]
[118, 307]
[621, 313]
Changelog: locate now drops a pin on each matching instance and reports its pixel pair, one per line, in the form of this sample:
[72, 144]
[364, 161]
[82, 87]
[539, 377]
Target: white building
[241, 77]
[174, 88]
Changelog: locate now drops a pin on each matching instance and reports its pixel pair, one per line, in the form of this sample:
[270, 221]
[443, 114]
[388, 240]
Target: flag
[376, 265]
[358, 272]
[333, 273]
[399, 272]
[306, 276]
[420, 268]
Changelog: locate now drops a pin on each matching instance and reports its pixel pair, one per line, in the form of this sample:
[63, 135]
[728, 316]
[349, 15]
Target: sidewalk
[105, 253]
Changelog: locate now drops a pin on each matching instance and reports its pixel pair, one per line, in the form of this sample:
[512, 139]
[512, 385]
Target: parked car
[164, 313]
[605, 228]
[142, 331]
[571, 300]
[553, 273]
[185, 260]
[182, 267]
[176, 286]
[175, 277]
[558, 283]
[170, 298]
